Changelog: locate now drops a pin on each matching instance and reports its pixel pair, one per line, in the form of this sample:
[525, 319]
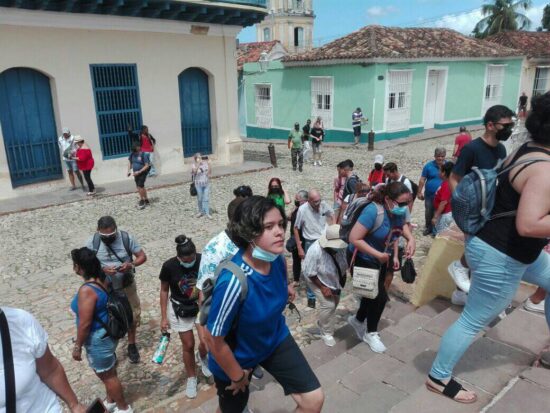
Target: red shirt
[443, 194]
[85, 160]
[146, 143]
[376, 177]
[461, 140]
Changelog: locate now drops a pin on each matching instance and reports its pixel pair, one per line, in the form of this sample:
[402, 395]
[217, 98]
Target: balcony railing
[257, 3]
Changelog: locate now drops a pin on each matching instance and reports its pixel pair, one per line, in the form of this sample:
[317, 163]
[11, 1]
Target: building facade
[404, 80]
[99, 68]
[290, 22]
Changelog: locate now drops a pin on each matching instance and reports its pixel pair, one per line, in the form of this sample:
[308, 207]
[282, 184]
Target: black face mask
[276, 191]
[377, 166]
[503, 134]
[108, 240]
[297, 203]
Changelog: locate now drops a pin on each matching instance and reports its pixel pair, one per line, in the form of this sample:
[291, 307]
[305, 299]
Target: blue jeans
[495, 280]
[203, 196]
[100, 351]
[310, 294]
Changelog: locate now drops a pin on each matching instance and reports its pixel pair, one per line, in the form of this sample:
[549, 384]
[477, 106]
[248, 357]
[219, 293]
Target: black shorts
[286, 364]
[140, 179]
[357, 131]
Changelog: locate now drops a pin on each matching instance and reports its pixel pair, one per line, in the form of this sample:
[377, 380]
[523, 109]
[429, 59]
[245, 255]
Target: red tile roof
[385, 43]
[251, 52]
[533, 44]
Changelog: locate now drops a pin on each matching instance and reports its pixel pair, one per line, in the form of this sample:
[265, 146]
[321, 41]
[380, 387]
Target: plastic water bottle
[158, 357]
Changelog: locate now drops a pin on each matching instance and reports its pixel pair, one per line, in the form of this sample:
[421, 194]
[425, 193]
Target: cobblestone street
[37, 272]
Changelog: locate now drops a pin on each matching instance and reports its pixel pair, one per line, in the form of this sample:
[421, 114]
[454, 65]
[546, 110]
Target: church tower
[290, 22]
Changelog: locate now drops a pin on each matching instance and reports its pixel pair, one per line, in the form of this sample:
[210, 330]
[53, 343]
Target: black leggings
[296, 265]
[372, 309]
[88, 178]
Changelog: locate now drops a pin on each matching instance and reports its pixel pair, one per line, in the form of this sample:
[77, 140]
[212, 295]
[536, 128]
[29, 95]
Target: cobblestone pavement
[37, 272]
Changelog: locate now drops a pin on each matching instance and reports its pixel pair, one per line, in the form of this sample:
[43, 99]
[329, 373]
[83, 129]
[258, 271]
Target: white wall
[160, 49]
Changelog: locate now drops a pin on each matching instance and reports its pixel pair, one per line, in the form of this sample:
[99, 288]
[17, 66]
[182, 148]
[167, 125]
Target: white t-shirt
[311, 222]
[65, 143]
[218, 249]
[28, 342]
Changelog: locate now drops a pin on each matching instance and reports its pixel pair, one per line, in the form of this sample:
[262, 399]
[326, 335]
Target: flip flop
[450, 390]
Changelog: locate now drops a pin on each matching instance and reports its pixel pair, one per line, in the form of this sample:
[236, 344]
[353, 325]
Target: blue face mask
[188, 264]
[263, 255]
[399, 211]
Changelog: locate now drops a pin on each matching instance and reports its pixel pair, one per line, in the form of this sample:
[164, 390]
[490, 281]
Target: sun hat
[78, 138]
[379, 159]
[331, 238]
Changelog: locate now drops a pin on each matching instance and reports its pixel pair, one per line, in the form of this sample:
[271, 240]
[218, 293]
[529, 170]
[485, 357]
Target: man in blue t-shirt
[139, 164]
[428, 185]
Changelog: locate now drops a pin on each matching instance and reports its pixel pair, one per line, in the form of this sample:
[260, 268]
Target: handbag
[291, 244]
[9, 370]
[192, 187]
[408, 273]
[184, 310]
[365, 281]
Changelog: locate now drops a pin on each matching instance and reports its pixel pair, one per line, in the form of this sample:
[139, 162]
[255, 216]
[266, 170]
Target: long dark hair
[185, 246]
[392, 191]
[538, 121]
[86, 259]
[278, 182]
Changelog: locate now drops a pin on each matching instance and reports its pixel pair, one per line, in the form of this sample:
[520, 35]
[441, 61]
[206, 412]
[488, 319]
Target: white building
[97, 67]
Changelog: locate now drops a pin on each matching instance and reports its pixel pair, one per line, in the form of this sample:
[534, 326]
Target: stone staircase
[354, 379]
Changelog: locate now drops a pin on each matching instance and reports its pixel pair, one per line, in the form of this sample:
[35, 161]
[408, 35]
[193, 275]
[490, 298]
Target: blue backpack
[474, 197]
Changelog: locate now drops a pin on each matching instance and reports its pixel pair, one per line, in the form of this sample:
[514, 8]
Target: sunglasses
[401, 204]
[506, 125]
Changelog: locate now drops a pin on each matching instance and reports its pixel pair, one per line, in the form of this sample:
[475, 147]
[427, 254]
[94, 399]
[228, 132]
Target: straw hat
[331, 238]
[78, 138]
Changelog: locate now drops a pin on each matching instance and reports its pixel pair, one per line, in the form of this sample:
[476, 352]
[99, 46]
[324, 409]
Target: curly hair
[248, 221]
[538, 121]
[86, 259]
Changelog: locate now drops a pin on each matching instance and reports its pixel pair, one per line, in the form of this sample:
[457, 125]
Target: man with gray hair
[299, 199]
[68, 149]
[428, 185]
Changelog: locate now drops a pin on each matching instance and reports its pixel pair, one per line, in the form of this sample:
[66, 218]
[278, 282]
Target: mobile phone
[97, 407]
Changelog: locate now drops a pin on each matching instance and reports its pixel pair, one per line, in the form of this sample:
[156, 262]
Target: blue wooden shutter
[117, 105]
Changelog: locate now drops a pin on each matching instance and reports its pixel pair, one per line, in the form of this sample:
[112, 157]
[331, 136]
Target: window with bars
[263, 106]
[399, 99]
[118, 107]
[495, 80]
[322, 99]
[267, 34]
[542, 81]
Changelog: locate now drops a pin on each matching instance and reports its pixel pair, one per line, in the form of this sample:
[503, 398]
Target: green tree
[502, 16]
[546, 17]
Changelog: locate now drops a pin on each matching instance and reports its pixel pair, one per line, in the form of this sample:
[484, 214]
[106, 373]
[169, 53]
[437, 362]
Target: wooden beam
[138, 8]
[214, 15]
[164, 6]
[231, 15]
[175, 11]
[114, 7]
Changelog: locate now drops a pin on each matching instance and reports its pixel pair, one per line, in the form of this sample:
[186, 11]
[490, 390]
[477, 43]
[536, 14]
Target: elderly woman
[429, 183]
[255, 325]
[90, 307]
[325, 269]
[201, 172]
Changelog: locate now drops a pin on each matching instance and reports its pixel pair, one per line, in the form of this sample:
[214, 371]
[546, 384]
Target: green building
[404, 80]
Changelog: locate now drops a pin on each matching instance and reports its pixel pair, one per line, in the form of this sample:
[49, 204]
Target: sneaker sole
[449, 270]
[526, 307]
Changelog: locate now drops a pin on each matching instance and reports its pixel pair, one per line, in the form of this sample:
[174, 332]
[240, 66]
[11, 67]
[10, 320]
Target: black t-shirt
[478, 153]
[182, 280]
[317, 132]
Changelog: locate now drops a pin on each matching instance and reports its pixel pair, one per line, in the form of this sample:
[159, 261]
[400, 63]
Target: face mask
[108, 239]
[297, 203]
[503, 134]
[399, 211]
[188, 264]
[263, 255]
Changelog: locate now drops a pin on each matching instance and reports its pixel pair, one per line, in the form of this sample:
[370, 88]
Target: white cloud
[535, 15]
[379, 11]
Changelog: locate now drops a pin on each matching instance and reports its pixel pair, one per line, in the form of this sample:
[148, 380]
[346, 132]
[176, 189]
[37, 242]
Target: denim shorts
[101, 351]
[70, 165]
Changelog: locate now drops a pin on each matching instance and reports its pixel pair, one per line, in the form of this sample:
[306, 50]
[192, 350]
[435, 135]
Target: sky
[333, 20]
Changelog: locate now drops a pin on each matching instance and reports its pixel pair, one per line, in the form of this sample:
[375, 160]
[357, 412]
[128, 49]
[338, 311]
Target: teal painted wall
[358, 85]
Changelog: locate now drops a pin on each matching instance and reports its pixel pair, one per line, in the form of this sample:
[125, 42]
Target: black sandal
[451, 389]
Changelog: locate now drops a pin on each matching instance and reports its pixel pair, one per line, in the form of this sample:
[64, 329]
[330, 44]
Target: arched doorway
[196, 129]
[28, 126]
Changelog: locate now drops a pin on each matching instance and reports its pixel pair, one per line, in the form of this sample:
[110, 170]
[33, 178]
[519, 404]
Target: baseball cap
[66, 131]
[379, 159]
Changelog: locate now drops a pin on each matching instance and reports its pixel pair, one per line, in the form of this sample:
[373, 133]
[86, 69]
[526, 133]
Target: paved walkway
[60, 196]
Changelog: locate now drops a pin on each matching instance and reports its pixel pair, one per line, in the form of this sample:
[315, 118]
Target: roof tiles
[251, 52]
[533, 44]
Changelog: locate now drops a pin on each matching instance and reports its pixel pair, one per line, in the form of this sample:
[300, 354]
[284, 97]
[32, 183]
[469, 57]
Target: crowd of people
[234, 293]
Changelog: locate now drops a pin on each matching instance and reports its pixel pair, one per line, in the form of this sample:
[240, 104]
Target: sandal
[451, 389]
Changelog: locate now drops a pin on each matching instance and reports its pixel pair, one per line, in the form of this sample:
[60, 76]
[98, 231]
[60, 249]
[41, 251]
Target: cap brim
[333, 243]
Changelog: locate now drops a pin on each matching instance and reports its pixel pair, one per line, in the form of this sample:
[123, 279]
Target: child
[443, 217]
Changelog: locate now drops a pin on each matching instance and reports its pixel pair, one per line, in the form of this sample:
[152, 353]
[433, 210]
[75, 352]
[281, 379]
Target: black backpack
[350, 187]
[96, 242]
[414, 185]
[121, 317]
[353, 211]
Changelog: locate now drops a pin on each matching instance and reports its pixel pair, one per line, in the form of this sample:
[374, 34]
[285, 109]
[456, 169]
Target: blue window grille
[117, 105]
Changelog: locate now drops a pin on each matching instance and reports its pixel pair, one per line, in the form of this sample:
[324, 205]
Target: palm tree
[502, 16]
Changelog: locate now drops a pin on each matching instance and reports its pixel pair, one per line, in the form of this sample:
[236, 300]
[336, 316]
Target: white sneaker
[128, 410]
[314, 163]
[460, 275]
[374, 342]
[200, 214]
[109, 406]
[191, 389]
[320, 163]
[328, 340]
[204, 368]
[534, 308]
[459, 297]
[359, 327]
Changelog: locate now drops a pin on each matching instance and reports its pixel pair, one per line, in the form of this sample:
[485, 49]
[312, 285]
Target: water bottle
[158, 357]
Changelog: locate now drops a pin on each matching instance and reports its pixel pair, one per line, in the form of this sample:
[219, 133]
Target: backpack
[208, 288]
[414, 186]
[347, 189]
[474, 197]
[96, 242]
[120, 315]
[353, 211]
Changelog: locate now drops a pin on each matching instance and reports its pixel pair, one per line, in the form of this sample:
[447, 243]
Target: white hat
[66, 131]
[78, 138]
[331, 238]
[379, 159]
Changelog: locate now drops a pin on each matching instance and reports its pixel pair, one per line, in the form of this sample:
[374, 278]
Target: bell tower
[290, 22]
